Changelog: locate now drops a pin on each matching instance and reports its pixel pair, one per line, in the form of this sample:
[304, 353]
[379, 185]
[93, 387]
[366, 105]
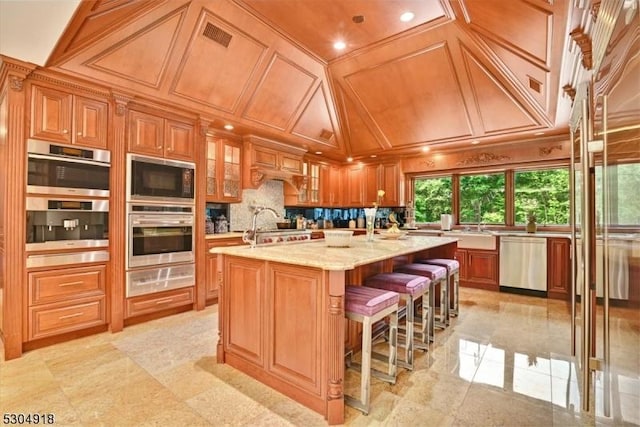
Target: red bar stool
[411, 288]
[453, 280]
[438, 276]
[367, 306]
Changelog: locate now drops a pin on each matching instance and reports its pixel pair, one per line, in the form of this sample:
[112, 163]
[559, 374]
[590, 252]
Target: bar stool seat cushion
[433, 272]
[451, 264]
[368, 301]
[402, 283]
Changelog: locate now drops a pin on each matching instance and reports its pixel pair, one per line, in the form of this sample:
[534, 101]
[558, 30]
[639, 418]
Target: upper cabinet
[331, 179]
[224, 170]
[156, 136]
[392, 182]
[61, 116]
[364, 181]
[354, 180]
[310, 192]
[264, 159]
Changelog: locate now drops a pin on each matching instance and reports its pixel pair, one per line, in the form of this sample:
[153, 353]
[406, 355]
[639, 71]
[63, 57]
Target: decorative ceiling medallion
[483, 159]
[545, 151]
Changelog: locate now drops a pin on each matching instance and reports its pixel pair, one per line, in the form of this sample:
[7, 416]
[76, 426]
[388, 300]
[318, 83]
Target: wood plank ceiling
[460, 71]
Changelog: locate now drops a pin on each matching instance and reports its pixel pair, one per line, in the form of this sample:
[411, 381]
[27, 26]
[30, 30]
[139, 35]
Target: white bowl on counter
[338, 238]
[393, 235]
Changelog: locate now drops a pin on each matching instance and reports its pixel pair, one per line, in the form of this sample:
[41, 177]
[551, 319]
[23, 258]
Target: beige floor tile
[504, 361]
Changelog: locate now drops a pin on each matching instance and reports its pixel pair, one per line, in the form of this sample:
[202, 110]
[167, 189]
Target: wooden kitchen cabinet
[310, 192]
[211, 286]
[65, 300]
[332, 193]
[159, 301]
[387, 177]
[156, 136]
[478, 268]
[275, 159]
[264, 159]
[60, 116]
[224, 170]
[559, 268]
[392, 182]
[371, 184]
[354, 177]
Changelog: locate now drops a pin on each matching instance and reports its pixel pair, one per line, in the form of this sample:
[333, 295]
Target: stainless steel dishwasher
[523, 262]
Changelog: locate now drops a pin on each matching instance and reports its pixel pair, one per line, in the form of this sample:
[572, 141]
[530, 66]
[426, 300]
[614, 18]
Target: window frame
[509, 173]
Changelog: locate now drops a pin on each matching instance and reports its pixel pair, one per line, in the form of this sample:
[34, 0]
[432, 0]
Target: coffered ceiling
[461, 71]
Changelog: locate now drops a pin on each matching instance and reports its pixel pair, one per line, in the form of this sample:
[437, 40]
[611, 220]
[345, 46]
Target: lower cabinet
[559, 268]
[152, 303]
[274, 317]
[478, 268]
[211, 286]
[65, 300]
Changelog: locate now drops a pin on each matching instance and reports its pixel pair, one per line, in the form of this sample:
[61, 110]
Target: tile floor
[503, 362]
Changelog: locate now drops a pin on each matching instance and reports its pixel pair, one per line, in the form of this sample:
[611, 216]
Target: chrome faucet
[249, 236]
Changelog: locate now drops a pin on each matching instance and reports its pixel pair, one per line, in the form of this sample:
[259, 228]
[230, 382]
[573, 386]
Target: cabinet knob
[65, 131]
[158, 147]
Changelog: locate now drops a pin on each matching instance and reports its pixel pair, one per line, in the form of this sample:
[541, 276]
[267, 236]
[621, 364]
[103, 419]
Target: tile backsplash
[269, 194]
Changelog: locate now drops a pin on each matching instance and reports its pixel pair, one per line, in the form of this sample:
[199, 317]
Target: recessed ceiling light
[228, 126]
[475, 142]
[339, 45]
[426, 148]
[349, 159]
[407, 16]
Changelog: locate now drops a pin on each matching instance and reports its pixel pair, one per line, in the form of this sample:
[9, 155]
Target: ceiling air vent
[326, 134]
[217, 34]
[534, 84]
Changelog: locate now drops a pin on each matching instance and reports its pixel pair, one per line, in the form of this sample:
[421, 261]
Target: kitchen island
[281, 310]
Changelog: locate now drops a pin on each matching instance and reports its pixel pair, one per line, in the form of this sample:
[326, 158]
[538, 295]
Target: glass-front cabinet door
[224, 173]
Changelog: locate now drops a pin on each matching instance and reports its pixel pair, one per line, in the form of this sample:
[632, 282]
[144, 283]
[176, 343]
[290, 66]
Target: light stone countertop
[317, 254]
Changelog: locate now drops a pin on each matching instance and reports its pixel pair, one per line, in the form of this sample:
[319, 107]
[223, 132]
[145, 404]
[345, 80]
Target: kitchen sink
[473, 239]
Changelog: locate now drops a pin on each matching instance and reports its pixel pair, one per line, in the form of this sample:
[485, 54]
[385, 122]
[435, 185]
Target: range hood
[258, 175]
[271, 160]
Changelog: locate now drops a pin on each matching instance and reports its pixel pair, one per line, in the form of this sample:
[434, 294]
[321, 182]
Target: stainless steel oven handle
[69, 160]
[156, 223]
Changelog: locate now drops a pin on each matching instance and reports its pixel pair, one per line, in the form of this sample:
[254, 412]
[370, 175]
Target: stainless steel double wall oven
[67, 204]
[160, 231]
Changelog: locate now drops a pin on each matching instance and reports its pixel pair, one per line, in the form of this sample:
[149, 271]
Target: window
[545, 193]
[432, 198]
[482, 199]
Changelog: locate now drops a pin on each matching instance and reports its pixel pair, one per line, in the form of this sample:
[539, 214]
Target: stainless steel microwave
[67, 170]
[152, 179]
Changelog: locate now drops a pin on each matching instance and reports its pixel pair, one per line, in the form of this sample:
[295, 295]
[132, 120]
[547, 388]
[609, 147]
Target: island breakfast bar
[281, 310]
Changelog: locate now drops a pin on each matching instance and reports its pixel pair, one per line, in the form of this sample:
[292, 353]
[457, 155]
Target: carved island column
[335, 380]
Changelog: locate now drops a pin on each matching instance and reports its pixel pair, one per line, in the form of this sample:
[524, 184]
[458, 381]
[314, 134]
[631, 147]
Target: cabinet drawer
[54, 319]
[146, 304]
[61, 285]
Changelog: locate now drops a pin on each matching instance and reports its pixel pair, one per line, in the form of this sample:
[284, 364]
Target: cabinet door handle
[70, 284]
[70, 316]
[164, 301]
[65, 131]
